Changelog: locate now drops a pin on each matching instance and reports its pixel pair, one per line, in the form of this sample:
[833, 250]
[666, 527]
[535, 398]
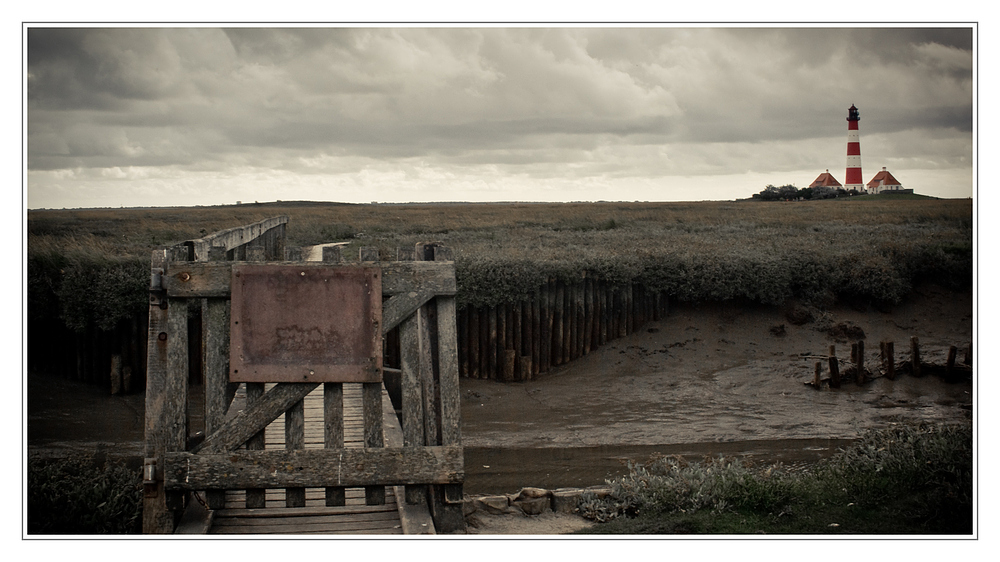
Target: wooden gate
[191, 291]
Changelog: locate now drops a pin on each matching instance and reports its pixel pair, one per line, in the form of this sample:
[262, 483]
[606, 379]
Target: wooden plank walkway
[316, 518]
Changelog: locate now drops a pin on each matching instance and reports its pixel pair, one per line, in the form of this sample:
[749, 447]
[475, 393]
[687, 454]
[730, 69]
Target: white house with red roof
[884, 182]
[825, 179]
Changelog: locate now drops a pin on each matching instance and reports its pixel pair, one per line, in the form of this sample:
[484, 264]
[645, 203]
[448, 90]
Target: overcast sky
[202, 116]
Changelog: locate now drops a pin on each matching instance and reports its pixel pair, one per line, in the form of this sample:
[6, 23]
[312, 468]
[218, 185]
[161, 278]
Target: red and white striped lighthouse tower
[853, 180]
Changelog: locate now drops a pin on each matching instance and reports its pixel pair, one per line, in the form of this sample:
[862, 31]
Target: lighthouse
[853, 179]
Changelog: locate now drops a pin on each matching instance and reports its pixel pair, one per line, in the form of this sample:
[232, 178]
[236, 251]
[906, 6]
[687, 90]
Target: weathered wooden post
[219, 391]
[950, 366]
[536, 334]
[166, 396]
[915, 355]
[860, 363]
[545, 329]
[116, 373]
[834, 369]
[890, 355]
[558, 306]
[816, 378]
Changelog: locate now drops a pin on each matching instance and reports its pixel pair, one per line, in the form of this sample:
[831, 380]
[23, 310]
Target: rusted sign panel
[305, 324]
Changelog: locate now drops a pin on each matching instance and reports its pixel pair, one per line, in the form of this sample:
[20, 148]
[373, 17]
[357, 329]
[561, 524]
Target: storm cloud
[135, 116]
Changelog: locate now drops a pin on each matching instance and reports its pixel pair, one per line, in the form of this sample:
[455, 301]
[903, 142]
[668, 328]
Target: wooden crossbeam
[255, 417]
[314, 468]
[213, 279]
[402, 306]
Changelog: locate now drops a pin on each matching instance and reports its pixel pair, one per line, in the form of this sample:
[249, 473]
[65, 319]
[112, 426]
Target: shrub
[670, 484]
[905, 461]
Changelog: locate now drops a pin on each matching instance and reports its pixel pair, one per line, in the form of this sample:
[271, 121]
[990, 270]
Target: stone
[566, 500]
[533, 506]
[532, 493]
[497, 505]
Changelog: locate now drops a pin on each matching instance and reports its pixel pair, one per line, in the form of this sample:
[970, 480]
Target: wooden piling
[501, 343]
[950, 366]
[890, 355]
[484, 342]
[116, 373]
[472, 313]
[536, 336]
[603, 314]
[491, 348]
[816, 379]
[859, 363]
[567, 297]
[915, 355]
[557, 325]
[834, 369]
[508, 365]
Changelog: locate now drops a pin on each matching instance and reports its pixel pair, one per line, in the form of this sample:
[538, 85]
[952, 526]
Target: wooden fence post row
[561, 323]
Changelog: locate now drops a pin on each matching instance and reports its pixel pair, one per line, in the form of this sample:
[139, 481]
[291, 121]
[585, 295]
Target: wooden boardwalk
[316, 518]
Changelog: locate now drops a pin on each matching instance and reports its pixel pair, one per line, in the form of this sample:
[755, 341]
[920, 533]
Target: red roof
[825, 179]
[883, 178]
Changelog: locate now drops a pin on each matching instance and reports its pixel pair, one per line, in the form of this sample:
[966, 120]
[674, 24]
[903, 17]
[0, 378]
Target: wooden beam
[213, 279]
[314, 468]
[161, 405]
[401, 306]
[256, 417]
[233, 237]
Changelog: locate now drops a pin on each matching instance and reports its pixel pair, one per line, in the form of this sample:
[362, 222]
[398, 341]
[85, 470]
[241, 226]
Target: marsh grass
[868, 248]
[909, 478]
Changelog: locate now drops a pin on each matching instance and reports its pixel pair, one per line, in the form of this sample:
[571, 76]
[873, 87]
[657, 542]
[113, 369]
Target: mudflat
[729, 373]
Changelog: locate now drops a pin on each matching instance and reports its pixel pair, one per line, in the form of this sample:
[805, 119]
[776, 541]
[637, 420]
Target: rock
[846, 331]
[533, 506]
[566, 500]
[798, 315]
[469, 506]
[532, 493]
[496, 505]
[600, 491]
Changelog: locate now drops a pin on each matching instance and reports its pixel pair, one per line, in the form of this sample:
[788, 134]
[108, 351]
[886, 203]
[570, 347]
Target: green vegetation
[910, 479]
[875, 248]
[77, 497]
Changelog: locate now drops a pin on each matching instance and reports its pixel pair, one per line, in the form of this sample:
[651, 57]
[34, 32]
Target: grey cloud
[208, 98]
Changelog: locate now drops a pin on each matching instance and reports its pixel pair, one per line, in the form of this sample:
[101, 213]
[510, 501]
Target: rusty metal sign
[291, 323]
